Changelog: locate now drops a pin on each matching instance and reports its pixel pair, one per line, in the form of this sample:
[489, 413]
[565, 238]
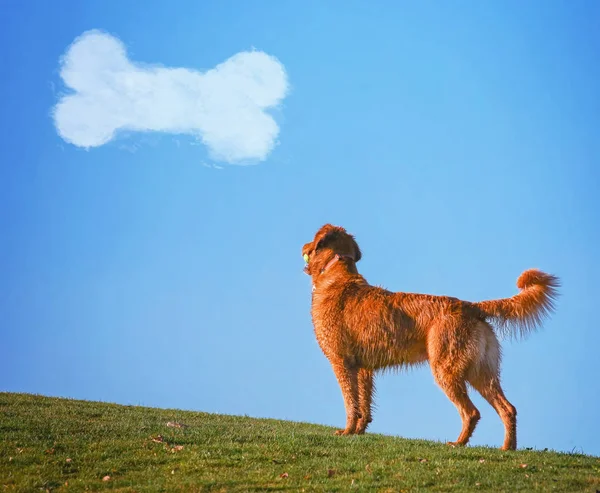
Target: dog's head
[328, 242]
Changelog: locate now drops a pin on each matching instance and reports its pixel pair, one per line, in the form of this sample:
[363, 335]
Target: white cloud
[224, 107]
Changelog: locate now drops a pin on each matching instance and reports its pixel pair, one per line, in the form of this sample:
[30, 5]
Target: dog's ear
[326, 233]
[357, 253]
[329, 232]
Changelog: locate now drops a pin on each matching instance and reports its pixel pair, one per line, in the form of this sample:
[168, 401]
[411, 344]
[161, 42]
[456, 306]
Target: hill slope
[51, 444]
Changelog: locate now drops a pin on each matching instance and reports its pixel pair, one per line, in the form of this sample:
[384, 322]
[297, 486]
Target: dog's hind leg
[365, 397]
[486, 380]
[489, 388]
[452, 351]
[456, 390]
[347, 377]
[484, 376]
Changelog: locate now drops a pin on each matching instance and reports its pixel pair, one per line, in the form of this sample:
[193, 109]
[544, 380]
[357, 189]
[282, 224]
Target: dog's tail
[524, 312]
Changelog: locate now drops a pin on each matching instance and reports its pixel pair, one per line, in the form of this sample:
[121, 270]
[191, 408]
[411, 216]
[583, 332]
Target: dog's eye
[306, 257]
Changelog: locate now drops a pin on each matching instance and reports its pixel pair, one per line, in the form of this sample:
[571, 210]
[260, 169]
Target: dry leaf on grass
[330, 473]
[176, 424]
[106, 478]
[284, 475]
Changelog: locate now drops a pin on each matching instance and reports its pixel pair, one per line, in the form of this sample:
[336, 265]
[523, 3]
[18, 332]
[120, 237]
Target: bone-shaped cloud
[225, 107]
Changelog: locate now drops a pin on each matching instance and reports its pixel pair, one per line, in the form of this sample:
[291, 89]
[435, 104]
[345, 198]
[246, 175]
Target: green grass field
[49, 444]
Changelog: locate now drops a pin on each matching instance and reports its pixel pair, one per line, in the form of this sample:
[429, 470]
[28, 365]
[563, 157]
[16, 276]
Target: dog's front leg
[366, 388]
[347, 377]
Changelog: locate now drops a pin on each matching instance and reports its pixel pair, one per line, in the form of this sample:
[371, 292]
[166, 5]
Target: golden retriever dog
[363, 328]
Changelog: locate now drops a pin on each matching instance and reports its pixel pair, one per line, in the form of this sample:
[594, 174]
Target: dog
[363, 328]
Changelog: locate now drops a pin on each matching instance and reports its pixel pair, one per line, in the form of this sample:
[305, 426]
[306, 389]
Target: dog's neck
[336, 258]
[329, 264]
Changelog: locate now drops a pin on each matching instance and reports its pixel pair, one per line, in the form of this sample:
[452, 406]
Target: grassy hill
[49, 444]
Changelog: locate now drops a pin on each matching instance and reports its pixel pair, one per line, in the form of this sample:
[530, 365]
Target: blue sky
[458, 143]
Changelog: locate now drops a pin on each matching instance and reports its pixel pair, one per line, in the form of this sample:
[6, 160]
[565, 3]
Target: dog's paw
[455, 444]
[362, 425]
[344, 432]
[360, 429]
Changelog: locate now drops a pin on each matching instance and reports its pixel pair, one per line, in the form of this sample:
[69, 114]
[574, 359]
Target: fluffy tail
[524, 312]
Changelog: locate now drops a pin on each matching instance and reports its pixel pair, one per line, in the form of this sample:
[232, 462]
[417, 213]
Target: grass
[49, 444]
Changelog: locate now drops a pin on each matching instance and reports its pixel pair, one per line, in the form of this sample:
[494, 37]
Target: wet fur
[363, 328]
